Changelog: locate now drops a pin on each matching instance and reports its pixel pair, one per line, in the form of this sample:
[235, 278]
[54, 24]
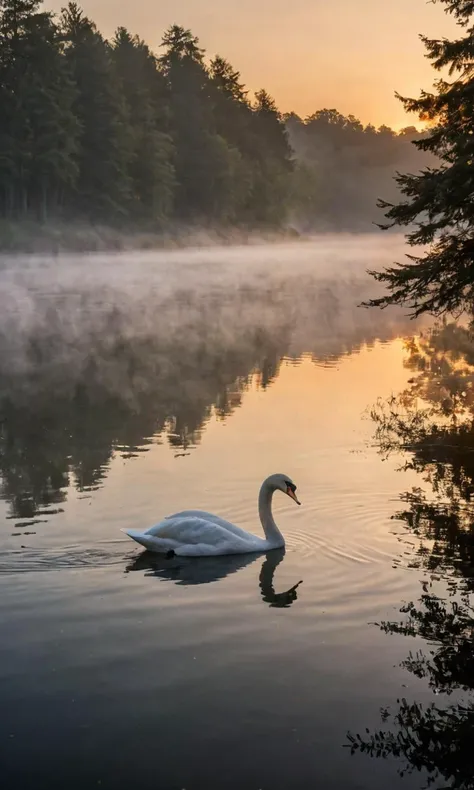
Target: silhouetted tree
[38, 128]
[111, 132]
[201, 160]
[144, 86]
[106, 142]
[233, 122]
[343, 166]
[438, 440]
[438, 202]
[273, 162]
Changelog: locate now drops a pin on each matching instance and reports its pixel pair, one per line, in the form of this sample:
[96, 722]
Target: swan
[195, 533]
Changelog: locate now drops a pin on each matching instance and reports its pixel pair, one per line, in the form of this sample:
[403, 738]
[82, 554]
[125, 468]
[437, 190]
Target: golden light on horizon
[308, 54]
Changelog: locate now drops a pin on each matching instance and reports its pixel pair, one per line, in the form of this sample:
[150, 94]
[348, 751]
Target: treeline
[111, 132]
[108, 129]
[342, 168]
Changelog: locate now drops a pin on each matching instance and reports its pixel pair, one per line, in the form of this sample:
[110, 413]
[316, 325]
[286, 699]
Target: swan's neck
[272, 533]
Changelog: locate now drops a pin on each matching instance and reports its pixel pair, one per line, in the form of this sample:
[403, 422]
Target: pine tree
[38, 129]
[106, 146]
[272, 163]
[207, 165]
[151, 168]
[191, 118]
[439, 202]
[232, 111]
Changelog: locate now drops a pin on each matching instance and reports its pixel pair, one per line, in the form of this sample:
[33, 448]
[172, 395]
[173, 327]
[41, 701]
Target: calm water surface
[137, 385]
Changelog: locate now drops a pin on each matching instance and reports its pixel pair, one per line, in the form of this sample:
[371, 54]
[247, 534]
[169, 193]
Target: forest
[109, 131]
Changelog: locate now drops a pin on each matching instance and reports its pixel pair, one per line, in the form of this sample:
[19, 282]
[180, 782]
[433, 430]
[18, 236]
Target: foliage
[105, 146]
[152, 161]
[108, 131]
[437, 740]
[438, 202]
[342, 167]
[39, 132]
[432, 422]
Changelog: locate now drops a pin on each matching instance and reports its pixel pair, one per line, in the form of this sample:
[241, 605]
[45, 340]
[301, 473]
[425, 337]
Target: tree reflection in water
[432, 425]
[94, 373]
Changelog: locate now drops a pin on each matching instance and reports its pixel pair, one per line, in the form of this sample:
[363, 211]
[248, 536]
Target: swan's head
[285, 484]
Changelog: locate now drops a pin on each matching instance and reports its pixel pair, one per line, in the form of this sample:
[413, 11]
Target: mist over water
[101, 352]
[135, 385]
[72, 310]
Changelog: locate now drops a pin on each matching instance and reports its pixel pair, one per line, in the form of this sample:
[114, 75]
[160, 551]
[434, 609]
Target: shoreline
[61, 238]
[26, 237]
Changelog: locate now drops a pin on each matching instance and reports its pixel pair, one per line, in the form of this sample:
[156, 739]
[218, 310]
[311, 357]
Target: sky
[351, 55]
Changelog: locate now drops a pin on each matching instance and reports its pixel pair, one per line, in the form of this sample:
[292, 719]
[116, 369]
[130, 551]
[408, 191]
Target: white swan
[194, 533]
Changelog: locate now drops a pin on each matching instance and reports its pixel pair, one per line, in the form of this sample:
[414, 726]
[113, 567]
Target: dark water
[135, 386]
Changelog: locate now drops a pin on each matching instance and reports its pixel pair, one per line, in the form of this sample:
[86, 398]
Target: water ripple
[28, 560]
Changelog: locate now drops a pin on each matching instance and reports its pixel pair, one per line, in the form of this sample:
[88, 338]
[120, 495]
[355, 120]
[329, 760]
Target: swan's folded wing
[203, 514]
[193, 535]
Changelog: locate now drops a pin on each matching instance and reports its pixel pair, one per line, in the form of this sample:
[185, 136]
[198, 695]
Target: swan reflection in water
[205, 570]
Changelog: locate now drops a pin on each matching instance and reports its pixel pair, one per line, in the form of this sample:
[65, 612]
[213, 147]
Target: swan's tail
[137, 535]
[150, 542]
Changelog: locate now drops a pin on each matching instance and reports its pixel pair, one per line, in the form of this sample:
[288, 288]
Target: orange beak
[292, 494]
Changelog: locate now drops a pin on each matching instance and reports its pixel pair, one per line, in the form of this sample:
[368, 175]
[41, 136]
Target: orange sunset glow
[308, 54]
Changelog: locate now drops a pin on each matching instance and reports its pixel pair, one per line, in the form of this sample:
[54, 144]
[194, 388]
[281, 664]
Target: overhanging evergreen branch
[438, 203]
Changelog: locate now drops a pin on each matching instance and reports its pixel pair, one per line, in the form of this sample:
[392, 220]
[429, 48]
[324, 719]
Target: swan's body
[194, 533]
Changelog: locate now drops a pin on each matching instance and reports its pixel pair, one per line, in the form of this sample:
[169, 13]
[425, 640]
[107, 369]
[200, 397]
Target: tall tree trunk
[43, 205]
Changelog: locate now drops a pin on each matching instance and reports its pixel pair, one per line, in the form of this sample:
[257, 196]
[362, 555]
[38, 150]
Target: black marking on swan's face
[291, 491]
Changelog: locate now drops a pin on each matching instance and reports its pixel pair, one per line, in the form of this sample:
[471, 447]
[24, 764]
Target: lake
[140, 384]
